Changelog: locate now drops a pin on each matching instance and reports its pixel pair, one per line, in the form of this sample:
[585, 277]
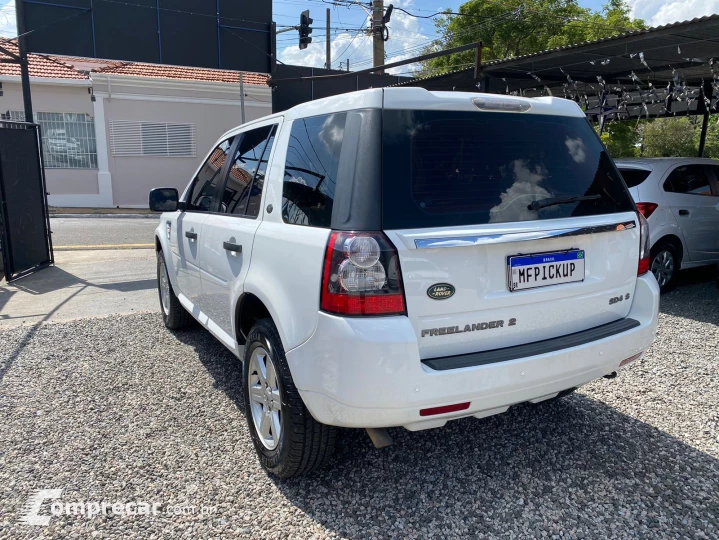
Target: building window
[68, 139]
[164, 139]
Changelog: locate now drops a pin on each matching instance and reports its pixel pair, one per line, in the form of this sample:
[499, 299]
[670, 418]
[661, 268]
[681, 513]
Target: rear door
[230, 232]
[200, 199]
[483, 266]
[695, 206]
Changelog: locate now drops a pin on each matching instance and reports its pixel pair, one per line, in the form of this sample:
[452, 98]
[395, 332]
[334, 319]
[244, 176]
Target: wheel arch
[249, 309]
[671, 239]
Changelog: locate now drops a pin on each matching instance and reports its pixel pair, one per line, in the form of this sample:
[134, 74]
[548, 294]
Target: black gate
[24, 222]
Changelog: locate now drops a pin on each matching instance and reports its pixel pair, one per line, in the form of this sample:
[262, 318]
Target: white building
[148, 125]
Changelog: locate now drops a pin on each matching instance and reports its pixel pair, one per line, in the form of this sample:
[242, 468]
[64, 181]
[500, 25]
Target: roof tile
[67, 67]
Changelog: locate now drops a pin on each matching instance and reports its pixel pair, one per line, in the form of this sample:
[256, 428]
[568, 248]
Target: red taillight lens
[361, 276]
[643, 266]
[647, 208]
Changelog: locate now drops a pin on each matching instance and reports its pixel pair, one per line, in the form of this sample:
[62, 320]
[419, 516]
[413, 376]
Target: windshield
[447, 168]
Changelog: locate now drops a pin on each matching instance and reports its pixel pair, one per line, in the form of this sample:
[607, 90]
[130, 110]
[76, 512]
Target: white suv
[401, 257]
[680, 199]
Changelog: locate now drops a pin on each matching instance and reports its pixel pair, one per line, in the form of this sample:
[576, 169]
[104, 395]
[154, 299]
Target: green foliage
[515, 27]
[668, 137]
[661, 137]
[621, 139]
[711, 148]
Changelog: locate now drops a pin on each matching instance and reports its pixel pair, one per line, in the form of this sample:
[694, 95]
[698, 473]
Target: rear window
[447, 168]
[634, 177]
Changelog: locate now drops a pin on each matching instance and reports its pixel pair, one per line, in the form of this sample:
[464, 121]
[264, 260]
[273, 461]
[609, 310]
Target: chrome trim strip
[504, 238]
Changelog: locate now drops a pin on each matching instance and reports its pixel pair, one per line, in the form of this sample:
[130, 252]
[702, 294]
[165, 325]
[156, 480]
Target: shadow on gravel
[695, 297]
[576, 464]
[221, 364]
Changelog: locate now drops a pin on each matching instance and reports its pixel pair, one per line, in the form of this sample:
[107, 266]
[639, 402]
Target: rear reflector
[630, 359]
[444, 409]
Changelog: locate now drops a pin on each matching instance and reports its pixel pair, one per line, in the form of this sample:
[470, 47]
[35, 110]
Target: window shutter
[134, 138]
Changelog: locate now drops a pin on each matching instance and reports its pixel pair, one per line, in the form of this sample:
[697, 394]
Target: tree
[621, 138]
[668, 137]
[711, 148]
[510, 28]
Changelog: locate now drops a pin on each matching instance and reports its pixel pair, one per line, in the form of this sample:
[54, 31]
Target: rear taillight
[646, 208]
[643, 267]
[361, 276]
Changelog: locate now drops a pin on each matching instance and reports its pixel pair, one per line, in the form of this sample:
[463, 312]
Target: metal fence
[24, 222]
[68, 138]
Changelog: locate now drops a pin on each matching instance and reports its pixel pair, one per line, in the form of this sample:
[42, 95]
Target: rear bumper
[357, 372]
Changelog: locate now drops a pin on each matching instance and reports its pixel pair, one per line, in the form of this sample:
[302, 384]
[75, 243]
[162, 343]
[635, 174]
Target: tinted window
[204, 186]
[443, 168]
[249, 164]
[690, 179]
[253, 206]
[634, 177]
[313, 156]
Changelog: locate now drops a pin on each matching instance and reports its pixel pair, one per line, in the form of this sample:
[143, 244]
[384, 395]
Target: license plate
[544, 269]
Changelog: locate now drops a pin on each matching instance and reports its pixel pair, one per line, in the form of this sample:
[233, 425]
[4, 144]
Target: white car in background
[680, 199]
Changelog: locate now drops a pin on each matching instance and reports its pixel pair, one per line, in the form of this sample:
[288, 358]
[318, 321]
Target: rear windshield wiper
[552, 201]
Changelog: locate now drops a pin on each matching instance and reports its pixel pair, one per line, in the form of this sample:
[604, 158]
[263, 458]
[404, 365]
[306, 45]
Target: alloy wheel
[265, 401]
[164, 288]
[663, 267]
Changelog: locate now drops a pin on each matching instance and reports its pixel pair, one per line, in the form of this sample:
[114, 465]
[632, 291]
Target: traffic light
[305, 29]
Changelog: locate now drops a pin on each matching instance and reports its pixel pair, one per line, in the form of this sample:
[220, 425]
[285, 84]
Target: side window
[243, 188]
[690, 179]
[313, 157]
[204, 186]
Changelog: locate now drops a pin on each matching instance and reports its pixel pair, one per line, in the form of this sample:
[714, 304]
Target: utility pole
[242, 98]
[377, 38]
[24, 68]
[328, 65]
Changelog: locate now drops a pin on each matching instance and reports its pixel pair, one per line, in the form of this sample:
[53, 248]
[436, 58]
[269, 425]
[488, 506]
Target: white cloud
[514, 201]
[7, 19]
[314, 54]
[658, 12]
[577, 149]
[406, 40]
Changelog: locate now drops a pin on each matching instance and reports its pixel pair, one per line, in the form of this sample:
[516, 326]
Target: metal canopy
[678, 54]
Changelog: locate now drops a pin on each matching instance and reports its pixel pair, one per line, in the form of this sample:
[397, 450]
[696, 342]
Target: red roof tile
[68, 67]
[40, 66]
[136, 69]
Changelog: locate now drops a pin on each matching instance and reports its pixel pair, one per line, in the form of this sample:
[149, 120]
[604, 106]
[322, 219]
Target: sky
[408, 35]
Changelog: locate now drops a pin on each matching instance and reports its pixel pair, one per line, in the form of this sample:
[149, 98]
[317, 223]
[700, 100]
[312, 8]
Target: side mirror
[164, 199]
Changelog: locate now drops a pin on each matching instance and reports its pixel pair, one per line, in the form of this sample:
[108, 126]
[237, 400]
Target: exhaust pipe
[380, 437]
[612, 375]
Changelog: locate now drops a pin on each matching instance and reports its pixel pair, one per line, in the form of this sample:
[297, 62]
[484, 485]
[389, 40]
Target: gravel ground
[119, 409]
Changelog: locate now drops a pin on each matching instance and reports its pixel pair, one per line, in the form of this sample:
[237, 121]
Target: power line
[353, 39]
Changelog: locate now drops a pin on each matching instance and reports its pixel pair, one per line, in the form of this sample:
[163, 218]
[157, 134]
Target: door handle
[229, 246]
[683, 212]
[191, 235]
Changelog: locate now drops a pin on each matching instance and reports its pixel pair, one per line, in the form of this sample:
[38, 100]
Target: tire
[174, 315]
[665, 264]
[303, 444]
